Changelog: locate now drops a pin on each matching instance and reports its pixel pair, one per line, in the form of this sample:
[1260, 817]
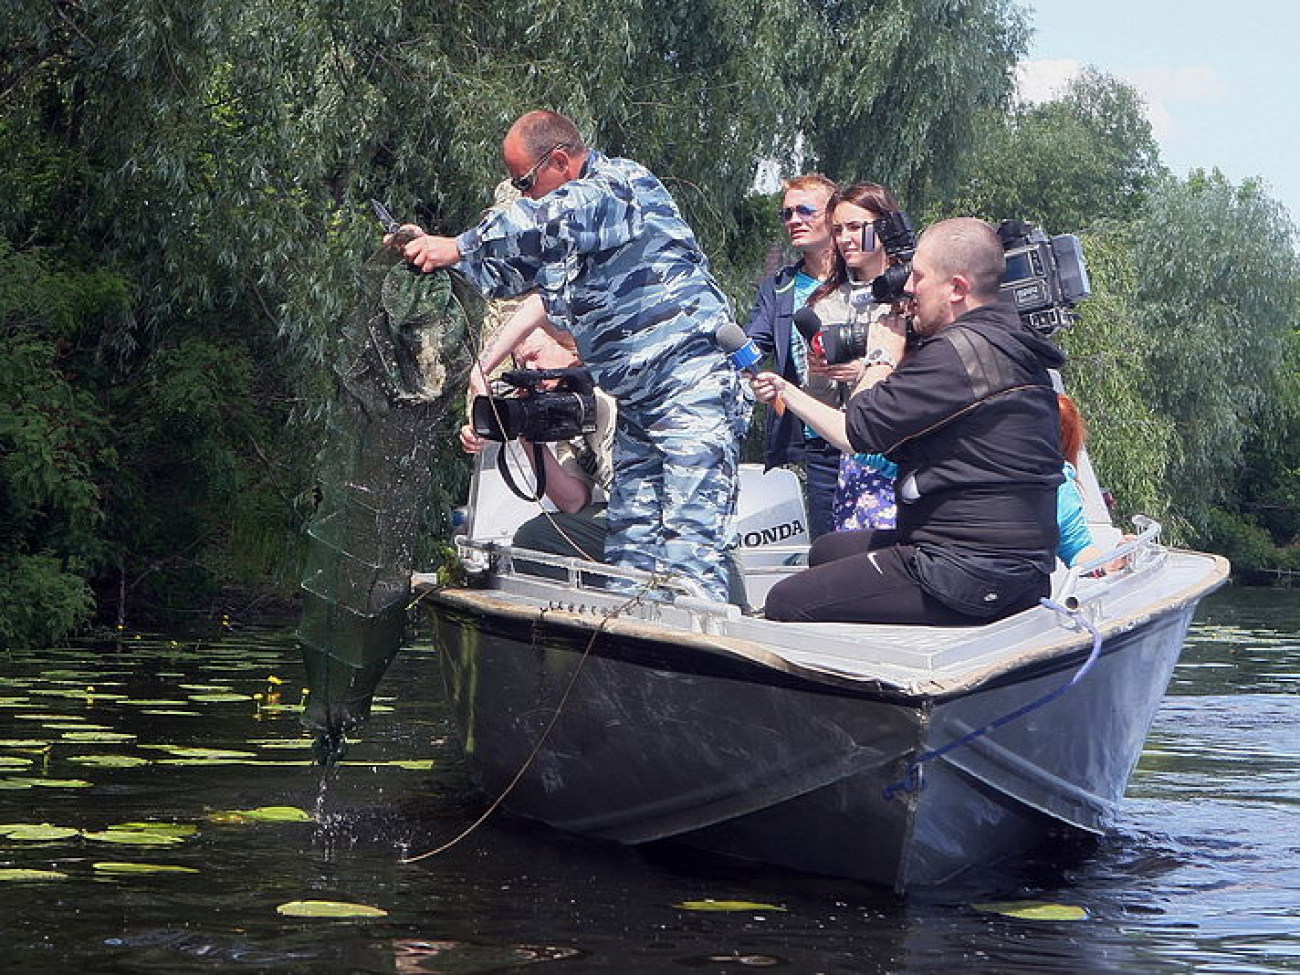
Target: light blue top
[1075, 533]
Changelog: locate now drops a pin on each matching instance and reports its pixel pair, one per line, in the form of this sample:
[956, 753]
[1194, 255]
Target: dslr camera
[545, 406]
[845, 342]
[1045, 277]
[899, 239]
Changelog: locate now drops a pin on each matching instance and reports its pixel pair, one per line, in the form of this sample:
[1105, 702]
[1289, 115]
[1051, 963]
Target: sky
[1221, 80]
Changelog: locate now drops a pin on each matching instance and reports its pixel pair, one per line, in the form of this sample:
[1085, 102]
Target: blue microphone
[744, 354]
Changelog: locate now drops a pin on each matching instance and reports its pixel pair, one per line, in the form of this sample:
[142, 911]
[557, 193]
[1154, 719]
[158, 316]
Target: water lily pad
[709, 904]
[21, 875]
[109, 761]
[329, 909]
[133, 837]
[188, 751]
[14, 761]
[52, 783]
[276, 743]
[264, 814]
[97, 736]
[1034, 910]
[37, 832]
[24, 743]
[206, 687]
[171, 712]
[155, 826]
[111, 867]
[219, 698]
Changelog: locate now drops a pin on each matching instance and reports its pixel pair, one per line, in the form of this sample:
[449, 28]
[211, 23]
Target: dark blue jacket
[769, 326]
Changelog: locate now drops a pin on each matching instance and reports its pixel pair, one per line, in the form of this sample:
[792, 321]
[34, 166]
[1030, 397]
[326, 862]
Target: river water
[1201, 875]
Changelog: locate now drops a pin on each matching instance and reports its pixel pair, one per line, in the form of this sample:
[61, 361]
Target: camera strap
[539, 469]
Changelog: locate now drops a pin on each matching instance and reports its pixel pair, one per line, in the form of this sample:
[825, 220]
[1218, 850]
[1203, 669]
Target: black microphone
[810, 327]
[743, 352]
[807, 322]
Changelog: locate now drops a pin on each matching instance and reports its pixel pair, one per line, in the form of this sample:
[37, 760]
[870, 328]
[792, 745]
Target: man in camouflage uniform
[617, 266]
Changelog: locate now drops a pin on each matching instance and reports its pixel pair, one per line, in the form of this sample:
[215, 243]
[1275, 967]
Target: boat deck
[915, 659]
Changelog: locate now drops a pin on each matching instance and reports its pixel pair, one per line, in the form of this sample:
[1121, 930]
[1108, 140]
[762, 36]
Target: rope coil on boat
[913, 779]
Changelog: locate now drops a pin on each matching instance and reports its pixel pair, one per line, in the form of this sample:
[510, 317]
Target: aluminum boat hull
[637, 730]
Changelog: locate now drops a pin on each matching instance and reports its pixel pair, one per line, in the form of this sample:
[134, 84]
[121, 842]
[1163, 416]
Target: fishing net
[398, 364]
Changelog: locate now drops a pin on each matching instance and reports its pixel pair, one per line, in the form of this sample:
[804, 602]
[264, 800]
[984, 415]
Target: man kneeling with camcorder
[566, 428]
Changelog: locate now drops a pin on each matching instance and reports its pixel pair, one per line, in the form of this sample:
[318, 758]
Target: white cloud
[1041, 81]
[1167, 92]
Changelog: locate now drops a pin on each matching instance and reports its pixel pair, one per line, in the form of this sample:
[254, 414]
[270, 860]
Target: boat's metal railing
[1134, 553]
[566, 570]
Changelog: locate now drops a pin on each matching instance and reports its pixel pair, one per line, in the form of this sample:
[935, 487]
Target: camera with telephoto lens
[899, 239]
[846, 342]
[564, 410]
[1045, 277]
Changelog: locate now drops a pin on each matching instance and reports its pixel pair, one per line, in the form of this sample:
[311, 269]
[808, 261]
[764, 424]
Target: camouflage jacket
[618, 267]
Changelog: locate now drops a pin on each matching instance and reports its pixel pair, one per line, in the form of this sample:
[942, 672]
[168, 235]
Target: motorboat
[630, 707]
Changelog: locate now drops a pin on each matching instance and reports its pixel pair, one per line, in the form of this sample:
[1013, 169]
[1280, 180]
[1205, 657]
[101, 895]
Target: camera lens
[844, 343]
[892, 285]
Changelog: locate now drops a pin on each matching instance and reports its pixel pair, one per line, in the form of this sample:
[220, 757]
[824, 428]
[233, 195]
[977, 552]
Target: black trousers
[866, 577]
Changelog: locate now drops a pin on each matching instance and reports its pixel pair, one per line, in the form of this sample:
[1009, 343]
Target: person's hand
[429, 253]
[478, 383]
[843, 372]
[768, 386]
[404, 234]
[890, 333]
[470, 441]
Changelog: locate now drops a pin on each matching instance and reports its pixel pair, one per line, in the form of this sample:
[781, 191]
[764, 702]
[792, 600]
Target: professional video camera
[1045, 277]
[542, 415]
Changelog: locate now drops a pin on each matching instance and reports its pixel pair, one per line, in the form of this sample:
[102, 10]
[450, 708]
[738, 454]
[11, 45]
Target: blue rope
[911, 780]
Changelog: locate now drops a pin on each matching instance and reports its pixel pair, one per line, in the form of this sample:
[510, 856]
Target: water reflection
[1201, 874]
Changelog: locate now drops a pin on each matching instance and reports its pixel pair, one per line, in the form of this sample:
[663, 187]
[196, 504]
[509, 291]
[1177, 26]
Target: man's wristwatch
[879, 357]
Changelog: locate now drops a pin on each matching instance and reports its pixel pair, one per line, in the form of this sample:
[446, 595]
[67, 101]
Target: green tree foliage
[55, 444]
[1216, 270]
[1085, 157]
[214, 158]
[1107, 372]
[899, 88]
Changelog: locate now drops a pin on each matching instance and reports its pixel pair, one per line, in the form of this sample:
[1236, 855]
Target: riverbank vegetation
[183, 209]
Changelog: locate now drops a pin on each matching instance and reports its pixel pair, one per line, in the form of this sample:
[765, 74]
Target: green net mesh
[398, 363]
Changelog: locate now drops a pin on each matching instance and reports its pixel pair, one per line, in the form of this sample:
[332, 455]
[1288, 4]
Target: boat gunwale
[1035, 660]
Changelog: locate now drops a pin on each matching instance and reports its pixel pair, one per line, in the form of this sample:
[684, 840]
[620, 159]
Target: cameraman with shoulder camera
[970, 417]
[605, 245]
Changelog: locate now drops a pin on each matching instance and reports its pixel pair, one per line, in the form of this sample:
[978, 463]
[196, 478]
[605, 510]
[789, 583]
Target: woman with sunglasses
[864, 493]
[787, 440]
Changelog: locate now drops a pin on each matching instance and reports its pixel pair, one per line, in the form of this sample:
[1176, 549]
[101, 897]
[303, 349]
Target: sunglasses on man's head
[803, 211]
[525, 182]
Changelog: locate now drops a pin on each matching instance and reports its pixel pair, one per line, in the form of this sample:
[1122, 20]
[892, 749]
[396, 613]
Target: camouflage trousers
[676, 478]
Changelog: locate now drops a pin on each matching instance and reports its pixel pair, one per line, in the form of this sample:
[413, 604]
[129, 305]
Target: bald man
[970, 417]
[615, 264]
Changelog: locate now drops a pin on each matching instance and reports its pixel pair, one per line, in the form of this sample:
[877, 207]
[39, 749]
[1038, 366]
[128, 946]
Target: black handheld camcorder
[1045, 277]
[547, 405]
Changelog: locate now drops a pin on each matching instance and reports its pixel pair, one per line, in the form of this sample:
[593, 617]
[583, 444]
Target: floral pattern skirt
[864, 497]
